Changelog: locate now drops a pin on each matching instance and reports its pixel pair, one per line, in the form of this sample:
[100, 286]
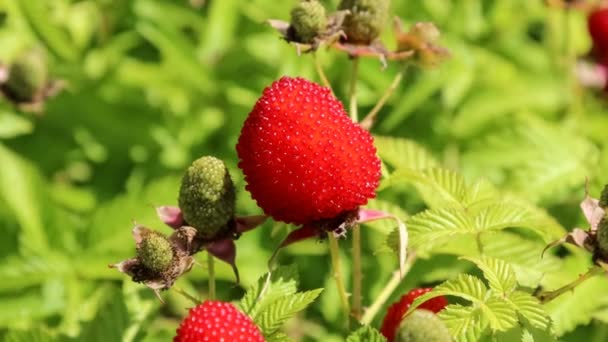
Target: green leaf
[436, 226]
[404, 154]
[278, 337]
[499, 274]
[275, 314]
[578, 307]
[466, 323]
[13, 125]
[282, 283]
[366, 334]
[531, 309]
[36, 15]
[30, 335]
[20, 188]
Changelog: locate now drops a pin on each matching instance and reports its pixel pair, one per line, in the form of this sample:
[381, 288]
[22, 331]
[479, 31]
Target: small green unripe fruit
[308, 20]
[366, 20]
[155, 252]
[602, 235]
[422, 326]
[27, 76]
[207, 196]
[603, 203]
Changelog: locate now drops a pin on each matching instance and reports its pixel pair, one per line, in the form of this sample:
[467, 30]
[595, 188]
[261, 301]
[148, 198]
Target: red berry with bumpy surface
[303, 158]
[396, 311]
[216, 321]
[598, 29]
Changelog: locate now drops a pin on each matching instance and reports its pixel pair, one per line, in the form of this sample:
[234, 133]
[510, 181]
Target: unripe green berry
[27, 75]
[366, 20]
[207, 196]
[422, 326]
[155, 252]
[602, 235]
[603, 203]
[308, 20]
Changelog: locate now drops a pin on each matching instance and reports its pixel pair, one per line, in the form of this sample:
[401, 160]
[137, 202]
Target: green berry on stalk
[602, 235]
[155, 252]
[308, 19]
[27, 76]
[207, 196]
[423, 326]
[366, 20]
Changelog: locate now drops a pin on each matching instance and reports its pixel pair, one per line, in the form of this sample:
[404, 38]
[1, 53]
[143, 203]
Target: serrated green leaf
[499, 274]
[404, 154]
[278, 337]
[466, 323]
[276, 313]
[531, 309]
[501, 315]
[436, 226]
[283, 283]
[366, 334]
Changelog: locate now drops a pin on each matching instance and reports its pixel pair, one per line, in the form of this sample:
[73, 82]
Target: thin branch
[321, 73]
[547, 296]
[211, 275]
[370, 118]
[334, 251]
[357, 273]
[352, 92]
[386, 292]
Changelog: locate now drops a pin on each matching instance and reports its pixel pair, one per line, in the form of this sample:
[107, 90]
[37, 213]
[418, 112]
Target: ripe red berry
[216, 321]
[396, 311]
[303, 158]
[598, 29]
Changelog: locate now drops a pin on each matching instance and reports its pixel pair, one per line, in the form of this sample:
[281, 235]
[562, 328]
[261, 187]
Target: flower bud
[207, 196]
[602, 235]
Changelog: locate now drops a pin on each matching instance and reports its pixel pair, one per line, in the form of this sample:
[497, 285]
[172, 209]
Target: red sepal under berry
[216, 321]
[395, 312]
[303, 158]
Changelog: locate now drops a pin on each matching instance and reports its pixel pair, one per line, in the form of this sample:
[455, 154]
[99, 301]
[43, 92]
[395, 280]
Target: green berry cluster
[309, 20]
[207, 196]
[366, 20]
[422, 326]
[155, 252]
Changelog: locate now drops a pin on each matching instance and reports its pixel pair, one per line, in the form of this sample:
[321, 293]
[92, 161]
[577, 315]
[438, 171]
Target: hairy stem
[370, 119]
[352, 92]
[321, 73]
[547, 296]
[186, 295]
[335, 263]
[386, 292]
[211, 270]
[357, 274]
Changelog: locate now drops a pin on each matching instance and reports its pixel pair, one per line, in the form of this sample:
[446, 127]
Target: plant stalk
[386, 292]
[321, 73]
[334, 251]
[370, 118]
[211, 275]
[357, 274]
[352, 92]
[547, 296]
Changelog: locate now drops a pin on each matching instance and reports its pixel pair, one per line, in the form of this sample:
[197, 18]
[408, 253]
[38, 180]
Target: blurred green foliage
[151, 85]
